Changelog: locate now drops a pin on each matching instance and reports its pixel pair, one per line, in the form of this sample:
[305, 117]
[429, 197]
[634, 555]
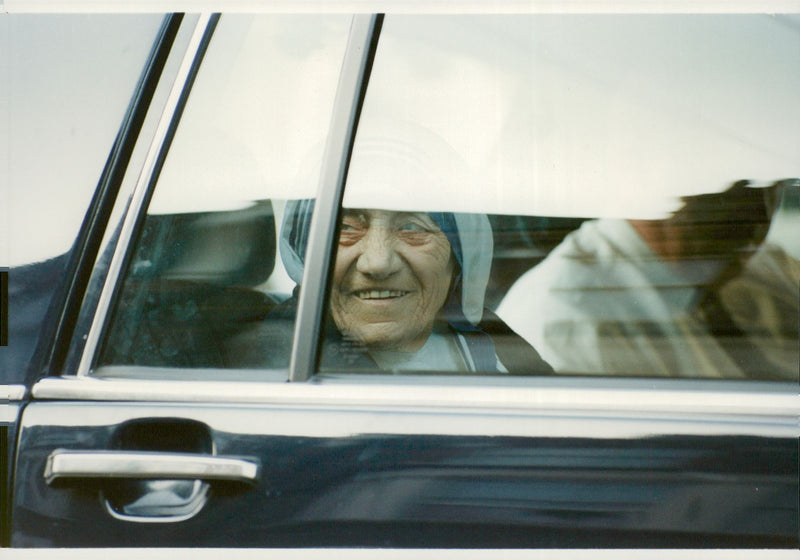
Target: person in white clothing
[696, 295]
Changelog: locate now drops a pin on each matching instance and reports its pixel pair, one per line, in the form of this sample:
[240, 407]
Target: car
[401, 281]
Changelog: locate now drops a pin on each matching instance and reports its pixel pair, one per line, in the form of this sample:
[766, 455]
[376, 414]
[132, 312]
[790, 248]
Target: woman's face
[392, 276]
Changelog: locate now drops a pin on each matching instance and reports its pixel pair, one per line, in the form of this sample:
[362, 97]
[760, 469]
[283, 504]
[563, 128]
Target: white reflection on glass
[601, 115]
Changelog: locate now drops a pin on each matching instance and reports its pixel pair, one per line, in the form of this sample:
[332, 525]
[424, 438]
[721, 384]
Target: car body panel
[376, 461]
[374, 476]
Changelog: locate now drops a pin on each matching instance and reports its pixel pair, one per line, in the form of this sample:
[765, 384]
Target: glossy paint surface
[418, 490]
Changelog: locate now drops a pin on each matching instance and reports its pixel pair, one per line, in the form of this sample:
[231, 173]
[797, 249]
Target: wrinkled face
[392, 276]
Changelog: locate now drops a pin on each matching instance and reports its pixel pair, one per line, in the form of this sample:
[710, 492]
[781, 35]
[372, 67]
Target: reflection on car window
[205, 287]
[537, 192]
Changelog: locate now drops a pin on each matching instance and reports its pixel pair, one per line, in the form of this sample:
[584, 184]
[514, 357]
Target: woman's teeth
[380, 294]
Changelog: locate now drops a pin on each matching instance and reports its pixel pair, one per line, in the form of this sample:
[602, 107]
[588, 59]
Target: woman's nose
[378, 257]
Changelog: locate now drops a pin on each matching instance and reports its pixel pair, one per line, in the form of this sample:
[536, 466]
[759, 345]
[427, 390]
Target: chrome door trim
[85, 464]
[12, 393]
[350, 93]
[10, 397]
[192, 506]
[164, 128]
[538, 408]
[8, 413]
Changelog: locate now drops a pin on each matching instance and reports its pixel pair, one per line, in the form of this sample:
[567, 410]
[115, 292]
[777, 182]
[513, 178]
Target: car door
[195, 404]
[233, 232]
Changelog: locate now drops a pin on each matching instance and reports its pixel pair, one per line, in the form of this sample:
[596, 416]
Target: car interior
[193, 284]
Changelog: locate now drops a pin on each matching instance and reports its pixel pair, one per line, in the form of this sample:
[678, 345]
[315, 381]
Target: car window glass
[207, 286]
[66, 83]
[591, 194]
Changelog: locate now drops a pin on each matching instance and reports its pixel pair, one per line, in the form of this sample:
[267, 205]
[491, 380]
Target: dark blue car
[434, 281]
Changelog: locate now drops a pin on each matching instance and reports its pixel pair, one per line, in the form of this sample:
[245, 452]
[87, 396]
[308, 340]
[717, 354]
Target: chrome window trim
[568, 407]
[139, 196]
[346, 108]
[138, 153]
[9, 413]
[194, 506]
[12, 393]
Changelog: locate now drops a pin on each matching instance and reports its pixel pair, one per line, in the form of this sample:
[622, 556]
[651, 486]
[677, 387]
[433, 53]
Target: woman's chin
[389, 339]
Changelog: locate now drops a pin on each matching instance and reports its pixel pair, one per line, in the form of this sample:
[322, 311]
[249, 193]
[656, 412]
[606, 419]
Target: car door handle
[66, 464]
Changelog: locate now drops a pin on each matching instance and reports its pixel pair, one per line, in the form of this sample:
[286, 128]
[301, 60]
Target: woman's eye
[350, 232]
[413, 228]
[352, 224]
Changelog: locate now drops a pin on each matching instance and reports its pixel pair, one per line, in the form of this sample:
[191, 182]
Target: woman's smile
[380, 294]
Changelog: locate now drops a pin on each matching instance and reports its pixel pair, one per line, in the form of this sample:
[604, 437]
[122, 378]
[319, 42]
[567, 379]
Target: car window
[604, 195]
[67, 81]
[206, 285]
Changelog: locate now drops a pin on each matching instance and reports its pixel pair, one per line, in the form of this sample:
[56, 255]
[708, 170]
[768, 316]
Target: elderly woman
[408, 286]
[406, 295]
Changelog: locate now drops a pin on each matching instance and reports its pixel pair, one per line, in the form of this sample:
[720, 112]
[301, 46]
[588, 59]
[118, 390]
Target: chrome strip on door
[8, 413]
[12, 393]
[540, 408]
[10, 396]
